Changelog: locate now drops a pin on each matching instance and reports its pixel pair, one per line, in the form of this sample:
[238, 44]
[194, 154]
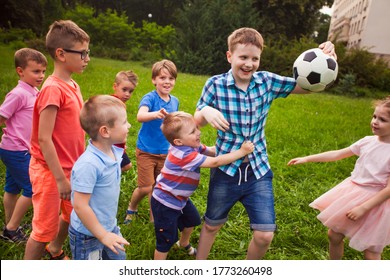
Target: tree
[52, 10]
[203, 27]
[22, 14]
[289, 18]
[322, 28]
[162, 11]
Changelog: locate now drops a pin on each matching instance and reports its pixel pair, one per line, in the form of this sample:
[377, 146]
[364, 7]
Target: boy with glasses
[57, 140]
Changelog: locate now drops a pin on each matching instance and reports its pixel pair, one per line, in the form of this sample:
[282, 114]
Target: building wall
[363, 24]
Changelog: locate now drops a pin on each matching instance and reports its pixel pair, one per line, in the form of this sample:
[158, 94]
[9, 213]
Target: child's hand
[298, 160]
[215, 118]
[247, 147]
[114, 242]
[328, 48]
[64, 189]
[356, 213]
[161, 114]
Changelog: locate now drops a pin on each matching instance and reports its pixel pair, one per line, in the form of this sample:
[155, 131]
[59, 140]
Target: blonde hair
[64, 34]
[23, 56]
[245, 35]
[173, 123]
[99, 110]
[126, 75]
[385, 102]
[164, 64]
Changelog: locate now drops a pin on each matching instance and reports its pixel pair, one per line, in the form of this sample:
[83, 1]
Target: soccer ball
[315, 71]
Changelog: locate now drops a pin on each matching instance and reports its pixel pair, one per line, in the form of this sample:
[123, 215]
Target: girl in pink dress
[359, 207]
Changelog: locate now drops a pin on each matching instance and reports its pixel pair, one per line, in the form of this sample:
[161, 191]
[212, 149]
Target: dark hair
[64, 34]
[23, 56]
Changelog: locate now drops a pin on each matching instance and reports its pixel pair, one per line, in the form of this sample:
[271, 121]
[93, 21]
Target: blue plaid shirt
[246, 111]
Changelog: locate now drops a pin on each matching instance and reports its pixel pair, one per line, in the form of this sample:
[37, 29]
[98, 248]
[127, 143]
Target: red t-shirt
[68, 136]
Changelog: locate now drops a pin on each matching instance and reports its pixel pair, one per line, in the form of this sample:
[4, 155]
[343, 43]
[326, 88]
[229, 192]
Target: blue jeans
[16, 176]
[256, 195]
[85, 247]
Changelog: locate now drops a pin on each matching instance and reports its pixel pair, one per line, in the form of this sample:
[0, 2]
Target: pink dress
[370, 175]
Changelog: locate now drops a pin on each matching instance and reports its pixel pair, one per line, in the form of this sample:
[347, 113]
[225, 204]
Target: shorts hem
[264, 227]
[214, 222]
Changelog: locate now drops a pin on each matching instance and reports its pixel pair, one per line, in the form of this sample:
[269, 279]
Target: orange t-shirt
[68, 136]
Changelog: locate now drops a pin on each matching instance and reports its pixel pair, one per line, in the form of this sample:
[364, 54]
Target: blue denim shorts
[16, 175]
[256, 195]
[85, 247]
[168, 221]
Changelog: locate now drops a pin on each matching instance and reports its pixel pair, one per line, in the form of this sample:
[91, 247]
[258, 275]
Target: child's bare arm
[45, 133]
[2, 120]
[359, 211]
[246, 148]
[210, 151]
[323, 157]
[213, 117]
[144, 115]
[88, 218]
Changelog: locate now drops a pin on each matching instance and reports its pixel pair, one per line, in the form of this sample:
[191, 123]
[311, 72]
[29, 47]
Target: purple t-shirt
[17, 108]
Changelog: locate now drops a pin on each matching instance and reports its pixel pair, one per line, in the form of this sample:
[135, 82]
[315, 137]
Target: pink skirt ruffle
[371, 232]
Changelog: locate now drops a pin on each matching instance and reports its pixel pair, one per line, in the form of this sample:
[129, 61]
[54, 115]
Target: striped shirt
[179, 177]
[246, 112]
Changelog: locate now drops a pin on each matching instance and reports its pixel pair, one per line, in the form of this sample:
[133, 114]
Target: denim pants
[85, 247]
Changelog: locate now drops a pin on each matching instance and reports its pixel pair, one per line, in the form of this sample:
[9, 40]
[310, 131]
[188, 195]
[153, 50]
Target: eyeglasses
[83, 53]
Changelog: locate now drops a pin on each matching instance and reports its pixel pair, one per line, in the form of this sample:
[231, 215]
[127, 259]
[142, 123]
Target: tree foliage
[112, 36]
[162, 11]
[23, 14]
[203, 27]
[288, 18]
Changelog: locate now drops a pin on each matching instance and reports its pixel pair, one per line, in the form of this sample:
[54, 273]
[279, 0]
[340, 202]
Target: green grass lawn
[297, 126]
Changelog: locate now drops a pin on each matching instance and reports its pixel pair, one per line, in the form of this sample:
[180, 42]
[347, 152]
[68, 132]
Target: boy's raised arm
[212, 116]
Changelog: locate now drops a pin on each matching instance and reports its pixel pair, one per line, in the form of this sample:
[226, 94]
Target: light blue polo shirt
[99, 175]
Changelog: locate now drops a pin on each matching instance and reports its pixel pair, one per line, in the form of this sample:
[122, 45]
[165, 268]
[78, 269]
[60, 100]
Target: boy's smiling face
[244, 60]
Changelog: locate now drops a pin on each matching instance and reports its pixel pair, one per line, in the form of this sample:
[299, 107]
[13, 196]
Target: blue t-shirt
[150, 137]
[97, 174]
[246, 112]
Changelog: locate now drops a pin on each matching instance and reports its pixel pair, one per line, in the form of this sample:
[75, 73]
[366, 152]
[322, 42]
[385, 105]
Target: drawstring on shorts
[245, 174]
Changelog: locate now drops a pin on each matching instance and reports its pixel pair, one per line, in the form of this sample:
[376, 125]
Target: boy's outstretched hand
[162, 113]
[248, 147]
[215, 118]
[298, 160]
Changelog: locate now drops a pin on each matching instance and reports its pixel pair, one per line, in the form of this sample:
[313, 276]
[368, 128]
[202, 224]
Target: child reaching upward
[179, 178]
[359, 207]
